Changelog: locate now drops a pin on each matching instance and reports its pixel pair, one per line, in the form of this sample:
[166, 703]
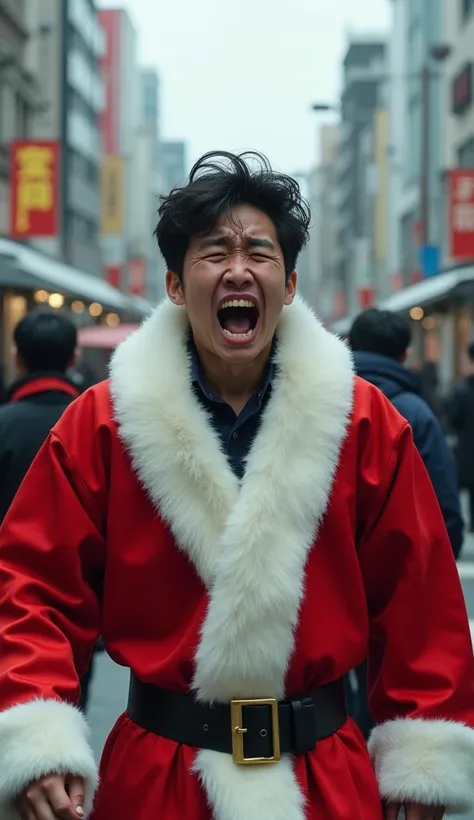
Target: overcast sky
[241, 74]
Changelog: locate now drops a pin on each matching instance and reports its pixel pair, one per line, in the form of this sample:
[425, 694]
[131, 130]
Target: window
[466, 154]
[467, 8]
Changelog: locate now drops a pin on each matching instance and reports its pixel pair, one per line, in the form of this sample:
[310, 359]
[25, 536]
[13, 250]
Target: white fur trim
[256, 793]
[425, 761]
[249, 541]
[39, 738]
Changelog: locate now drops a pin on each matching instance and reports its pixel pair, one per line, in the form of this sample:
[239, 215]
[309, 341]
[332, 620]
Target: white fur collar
[249, 542]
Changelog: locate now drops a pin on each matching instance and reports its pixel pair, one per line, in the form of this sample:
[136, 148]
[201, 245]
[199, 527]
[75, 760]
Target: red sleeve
[51, 550]
[51, 566]
[421, 669]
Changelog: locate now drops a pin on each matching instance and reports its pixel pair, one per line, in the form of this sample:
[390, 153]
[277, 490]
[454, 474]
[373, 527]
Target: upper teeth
[237, 303]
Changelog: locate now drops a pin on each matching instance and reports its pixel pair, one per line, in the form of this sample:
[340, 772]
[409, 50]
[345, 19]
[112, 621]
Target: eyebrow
[211, 241]
[223, 241]
[259, 242]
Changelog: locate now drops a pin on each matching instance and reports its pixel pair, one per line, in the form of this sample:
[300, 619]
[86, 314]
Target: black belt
[252, 731]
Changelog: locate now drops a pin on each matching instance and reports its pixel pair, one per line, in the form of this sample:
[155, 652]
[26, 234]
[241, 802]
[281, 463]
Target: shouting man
[243, 521]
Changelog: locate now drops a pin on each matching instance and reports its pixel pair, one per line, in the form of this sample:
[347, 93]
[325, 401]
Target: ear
[75, 358]
[16, 358]
[174, 288]
[290, 291]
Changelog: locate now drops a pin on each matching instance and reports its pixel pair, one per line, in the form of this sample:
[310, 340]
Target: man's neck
[235, 384]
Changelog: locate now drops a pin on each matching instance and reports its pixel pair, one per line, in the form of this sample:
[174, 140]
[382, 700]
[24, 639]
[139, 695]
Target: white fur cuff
[38, 738]
[425, 761]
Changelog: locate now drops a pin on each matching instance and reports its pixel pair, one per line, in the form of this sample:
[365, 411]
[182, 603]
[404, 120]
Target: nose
[238, 273]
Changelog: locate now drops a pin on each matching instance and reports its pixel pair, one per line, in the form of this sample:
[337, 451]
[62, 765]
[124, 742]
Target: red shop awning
[103, 337]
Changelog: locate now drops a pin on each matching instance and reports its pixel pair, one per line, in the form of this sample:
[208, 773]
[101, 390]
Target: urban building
[20, 96]
[364, 72]
[322, 247]
[64, 51]
[173, 158]
[119, 123]
[416, 115]
[458, 92]
[147, 174]
[370, 280]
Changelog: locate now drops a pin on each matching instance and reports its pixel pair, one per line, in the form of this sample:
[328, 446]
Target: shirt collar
[197, 375]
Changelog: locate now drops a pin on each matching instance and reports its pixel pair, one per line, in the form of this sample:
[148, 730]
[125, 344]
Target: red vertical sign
[110, 66]
[461, 213]
[34, 177]
[137, 277]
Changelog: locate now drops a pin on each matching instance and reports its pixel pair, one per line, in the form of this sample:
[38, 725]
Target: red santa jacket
[131, 523]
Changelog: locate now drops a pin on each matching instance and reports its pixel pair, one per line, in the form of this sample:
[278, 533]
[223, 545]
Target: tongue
[237, 324]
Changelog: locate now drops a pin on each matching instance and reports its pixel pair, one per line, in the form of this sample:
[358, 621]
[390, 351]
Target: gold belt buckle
[238, 731]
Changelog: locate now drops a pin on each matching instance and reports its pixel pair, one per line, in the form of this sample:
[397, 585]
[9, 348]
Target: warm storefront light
[417, 313]
[95, 309]
[77, 306]
[56, 300]
[112, 320]
[41, 296]
[429, 323]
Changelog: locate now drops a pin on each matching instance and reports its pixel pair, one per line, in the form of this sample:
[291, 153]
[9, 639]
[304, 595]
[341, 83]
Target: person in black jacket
[460, 413]
[44, 348]
[380, 341]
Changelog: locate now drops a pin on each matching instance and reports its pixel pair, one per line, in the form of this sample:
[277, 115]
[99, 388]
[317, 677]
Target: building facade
[148, 180]
[417, 26]
[458, 91]
[364, 71]
[322, 247]
[119, 124]
[173, 159]
[64, 51]
[20, 96]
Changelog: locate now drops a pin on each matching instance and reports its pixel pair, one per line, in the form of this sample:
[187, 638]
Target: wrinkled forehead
[242, 225]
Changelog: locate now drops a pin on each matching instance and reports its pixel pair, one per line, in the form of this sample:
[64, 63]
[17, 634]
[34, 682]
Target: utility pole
[425, 154]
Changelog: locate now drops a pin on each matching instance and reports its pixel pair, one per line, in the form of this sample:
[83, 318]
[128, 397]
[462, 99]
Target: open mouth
[238, 318]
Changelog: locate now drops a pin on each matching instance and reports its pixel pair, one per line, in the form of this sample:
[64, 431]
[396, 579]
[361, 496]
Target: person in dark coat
[44, 348]
[460, 412]
[380, 341]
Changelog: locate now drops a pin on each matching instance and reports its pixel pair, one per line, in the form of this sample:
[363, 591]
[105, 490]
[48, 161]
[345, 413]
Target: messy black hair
[45, 341]
[219, 181]
[380, 331]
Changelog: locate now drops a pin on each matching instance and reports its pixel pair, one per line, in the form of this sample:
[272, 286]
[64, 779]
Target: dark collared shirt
[235, 432]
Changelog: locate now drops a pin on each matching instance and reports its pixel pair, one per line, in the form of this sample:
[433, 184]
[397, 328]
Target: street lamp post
[439, 53]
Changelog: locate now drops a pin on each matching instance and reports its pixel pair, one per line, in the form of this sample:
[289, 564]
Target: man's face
[234, 285]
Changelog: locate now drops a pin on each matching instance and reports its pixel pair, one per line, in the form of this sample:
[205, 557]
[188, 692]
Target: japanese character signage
[34, 176]
[461, 213]
[112, 195]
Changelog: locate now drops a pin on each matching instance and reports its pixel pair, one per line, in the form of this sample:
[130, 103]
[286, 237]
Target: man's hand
[414, 811]
[57, 796]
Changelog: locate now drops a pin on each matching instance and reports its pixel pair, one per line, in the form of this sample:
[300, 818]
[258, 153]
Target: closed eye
[216, 257]
[259, 257]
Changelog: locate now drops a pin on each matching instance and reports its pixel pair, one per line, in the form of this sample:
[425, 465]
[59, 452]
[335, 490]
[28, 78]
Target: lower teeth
[238, 335]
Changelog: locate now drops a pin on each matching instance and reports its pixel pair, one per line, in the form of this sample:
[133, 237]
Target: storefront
[441, 312]
[29, 279]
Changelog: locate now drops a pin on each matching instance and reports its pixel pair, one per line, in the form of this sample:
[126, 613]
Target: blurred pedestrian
[460, 412]
[380, 342]
[44, 348]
